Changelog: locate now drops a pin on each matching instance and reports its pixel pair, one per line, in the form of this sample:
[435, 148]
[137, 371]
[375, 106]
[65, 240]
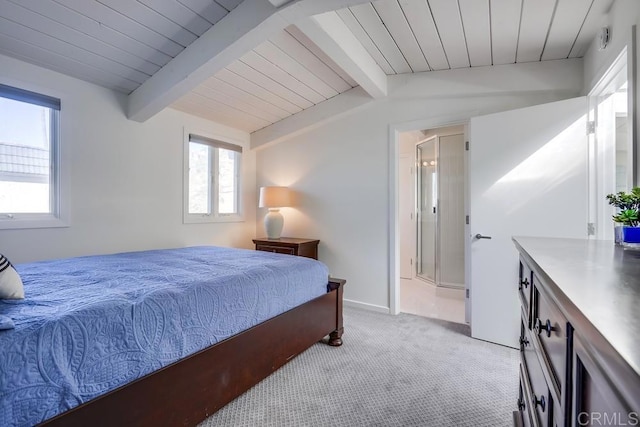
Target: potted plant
[628, 217]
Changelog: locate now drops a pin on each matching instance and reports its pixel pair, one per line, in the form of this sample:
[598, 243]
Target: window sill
[207, 219]
[27, 223]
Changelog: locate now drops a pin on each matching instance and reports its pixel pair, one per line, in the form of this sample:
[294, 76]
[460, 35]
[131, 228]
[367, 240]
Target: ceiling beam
[329, 32]
[311, 118]
[245, 27]
[234, 35]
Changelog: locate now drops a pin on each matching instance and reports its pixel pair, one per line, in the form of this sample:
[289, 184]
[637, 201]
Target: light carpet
[401, 370]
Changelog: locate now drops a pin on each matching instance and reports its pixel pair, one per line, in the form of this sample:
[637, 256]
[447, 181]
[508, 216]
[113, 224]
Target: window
[29, 125]
[212, 180]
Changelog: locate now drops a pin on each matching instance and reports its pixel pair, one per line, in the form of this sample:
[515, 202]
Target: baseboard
[366, 306]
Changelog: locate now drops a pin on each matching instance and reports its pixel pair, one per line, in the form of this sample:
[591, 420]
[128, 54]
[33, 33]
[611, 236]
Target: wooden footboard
[188, 391]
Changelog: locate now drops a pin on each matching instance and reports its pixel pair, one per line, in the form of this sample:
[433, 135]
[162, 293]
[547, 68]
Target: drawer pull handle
[544, 327]
[524, 342]
[540, 402]
[524, 282]
[521, 405]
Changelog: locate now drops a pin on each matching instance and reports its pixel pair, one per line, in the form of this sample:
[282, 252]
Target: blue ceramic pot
[631, 234]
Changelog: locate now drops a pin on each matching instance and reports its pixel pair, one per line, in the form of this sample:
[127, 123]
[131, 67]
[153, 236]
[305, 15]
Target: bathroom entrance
[440, 209]
[432, 222]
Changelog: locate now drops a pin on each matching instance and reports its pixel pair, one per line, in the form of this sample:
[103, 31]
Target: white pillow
[10, 282]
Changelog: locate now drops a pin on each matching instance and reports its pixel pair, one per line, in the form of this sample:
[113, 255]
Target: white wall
[624, 14]
[341, 169]
[123, 179]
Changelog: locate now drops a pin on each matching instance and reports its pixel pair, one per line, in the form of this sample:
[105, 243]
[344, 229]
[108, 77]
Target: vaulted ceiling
[282, 76]
[117, 44]
[251, 64]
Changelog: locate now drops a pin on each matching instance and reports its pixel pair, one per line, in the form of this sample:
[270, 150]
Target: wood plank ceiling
[114, 43]
[119, 44]
[283, 76]
[405, 36]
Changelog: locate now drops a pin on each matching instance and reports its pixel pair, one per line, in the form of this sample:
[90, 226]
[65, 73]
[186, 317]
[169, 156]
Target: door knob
[480, 236]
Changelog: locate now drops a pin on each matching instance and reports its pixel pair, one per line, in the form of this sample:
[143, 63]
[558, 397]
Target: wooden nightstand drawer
[276, 249]
[289, 246]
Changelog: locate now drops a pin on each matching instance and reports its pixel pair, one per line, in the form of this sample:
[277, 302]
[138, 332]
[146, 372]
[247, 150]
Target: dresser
[579, 333]
[289, 245]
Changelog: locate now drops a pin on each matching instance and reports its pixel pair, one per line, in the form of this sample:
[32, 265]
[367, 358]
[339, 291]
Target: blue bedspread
[91, 324]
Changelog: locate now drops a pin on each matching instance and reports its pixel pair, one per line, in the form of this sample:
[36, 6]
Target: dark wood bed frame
[188, 391]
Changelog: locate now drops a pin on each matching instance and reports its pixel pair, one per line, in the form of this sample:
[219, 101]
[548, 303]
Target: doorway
[610, 137]
[513, 189]
[440, 207]
[432, 222]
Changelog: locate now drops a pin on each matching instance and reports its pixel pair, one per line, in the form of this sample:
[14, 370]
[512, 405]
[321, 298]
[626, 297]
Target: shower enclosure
[440, 210]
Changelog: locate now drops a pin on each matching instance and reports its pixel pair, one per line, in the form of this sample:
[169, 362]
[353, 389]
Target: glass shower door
[427, 202]
[441, 213]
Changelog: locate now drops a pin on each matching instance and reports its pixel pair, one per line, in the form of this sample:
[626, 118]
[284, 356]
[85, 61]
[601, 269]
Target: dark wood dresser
[580, 333]
[289, 245]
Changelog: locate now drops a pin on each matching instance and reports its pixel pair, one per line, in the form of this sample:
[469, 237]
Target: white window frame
[214, 216]
[58, 215]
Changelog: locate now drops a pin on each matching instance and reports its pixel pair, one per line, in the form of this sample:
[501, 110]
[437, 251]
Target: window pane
[199, 179]
[227, 181]
[25, 138]
[24, 197]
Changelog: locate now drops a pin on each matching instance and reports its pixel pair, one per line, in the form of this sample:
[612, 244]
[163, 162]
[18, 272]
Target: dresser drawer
[522, 417]
[595, 396]
[276, 249]
[525, 280]
[527, 351]
[540, 399]
[550, 335]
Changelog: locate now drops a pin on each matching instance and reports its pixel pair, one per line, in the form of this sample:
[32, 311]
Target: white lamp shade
[274, 197]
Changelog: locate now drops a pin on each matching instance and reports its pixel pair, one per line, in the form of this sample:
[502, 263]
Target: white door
[406, 214]
[527, 177]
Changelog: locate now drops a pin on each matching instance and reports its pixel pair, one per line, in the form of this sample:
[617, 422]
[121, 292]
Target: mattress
[91, 324]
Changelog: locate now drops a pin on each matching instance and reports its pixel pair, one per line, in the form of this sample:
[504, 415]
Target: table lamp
[274, 198]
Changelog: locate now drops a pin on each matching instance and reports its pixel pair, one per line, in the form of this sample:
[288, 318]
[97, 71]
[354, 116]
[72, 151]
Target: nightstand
[289, 245]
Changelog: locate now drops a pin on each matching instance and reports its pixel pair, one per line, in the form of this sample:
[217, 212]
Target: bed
[162, 337]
